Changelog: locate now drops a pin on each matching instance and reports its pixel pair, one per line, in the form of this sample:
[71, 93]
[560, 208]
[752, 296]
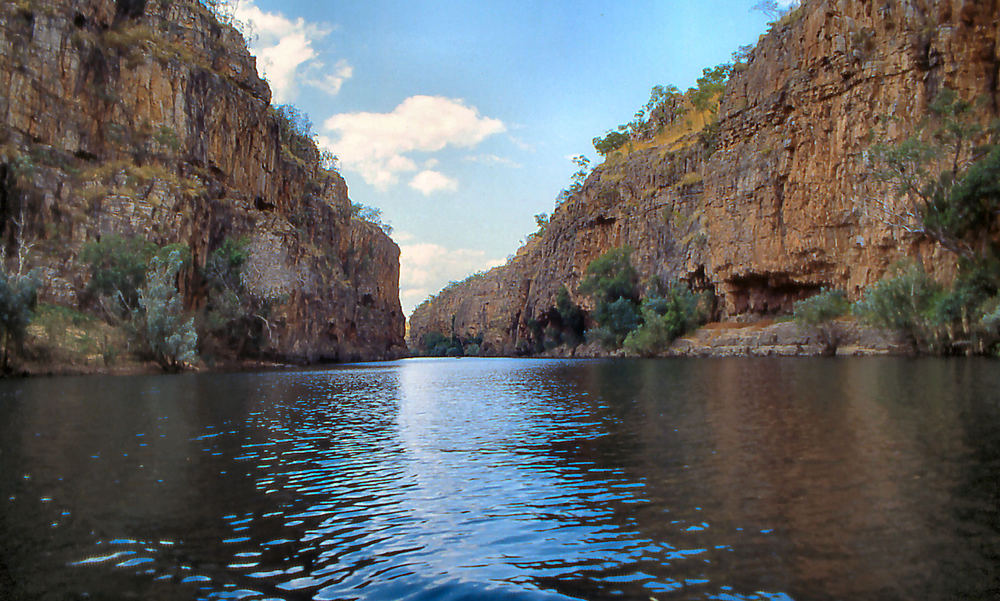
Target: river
[722, 479]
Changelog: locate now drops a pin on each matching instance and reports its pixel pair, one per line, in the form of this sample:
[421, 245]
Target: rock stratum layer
[765, 212]
[148, 118]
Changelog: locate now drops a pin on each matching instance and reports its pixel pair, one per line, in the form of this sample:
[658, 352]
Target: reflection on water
[471, 479]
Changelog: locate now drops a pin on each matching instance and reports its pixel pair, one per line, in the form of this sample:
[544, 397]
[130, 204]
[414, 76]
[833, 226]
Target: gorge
[148, 120]
[765, 206]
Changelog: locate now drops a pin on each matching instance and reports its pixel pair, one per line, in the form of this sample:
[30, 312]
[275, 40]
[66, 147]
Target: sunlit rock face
[766, 211]
[148, 118]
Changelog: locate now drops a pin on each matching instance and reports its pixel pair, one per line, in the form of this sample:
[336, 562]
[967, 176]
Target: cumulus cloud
[376, 144]
[428, 182]
[425, 268]
[285, 52]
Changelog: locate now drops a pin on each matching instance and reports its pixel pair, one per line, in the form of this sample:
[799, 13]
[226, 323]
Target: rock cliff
[764, 210]
[148, 118]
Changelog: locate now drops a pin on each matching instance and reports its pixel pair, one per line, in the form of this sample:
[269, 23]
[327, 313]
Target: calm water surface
[508, 479]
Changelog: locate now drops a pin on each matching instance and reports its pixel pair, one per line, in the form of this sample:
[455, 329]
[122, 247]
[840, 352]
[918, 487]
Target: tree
[611, 142]
[371, 215]
[117, 267]
[611, 281]
[611, 276]
[159, 324]
[944, 180]
[664, 318]
[711, 84]
[234, 315]
[775, 10]
[541, 223]
[818, 312]
[18, 297]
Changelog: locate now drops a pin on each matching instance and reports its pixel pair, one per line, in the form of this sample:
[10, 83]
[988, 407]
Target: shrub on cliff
[18, 297]
[611, 142]
[818, 311]
[955, 318]
[615, 320]
[664, 318]
[233, 316]
[944, 179]
[159, 326]
[820, 308]
[611, 281]
[371, 215]
[117, 267]
[610, 277]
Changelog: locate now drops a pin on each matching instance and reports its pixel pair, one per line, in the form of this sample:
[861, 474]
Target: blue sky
[458, 118]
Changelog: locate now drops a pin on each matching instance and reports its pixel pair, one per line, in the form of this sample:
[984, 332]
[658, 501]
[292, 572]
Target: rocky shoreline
[769, 338]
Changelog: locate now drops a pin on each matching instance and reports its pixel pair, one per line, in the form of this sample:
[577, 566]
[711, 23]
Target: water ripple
[512, 480]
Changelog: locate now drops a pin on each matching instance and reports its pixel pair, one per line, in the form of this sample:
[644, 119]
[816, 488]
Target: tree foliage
[234, 316]
[612, 282]
[159, 325]
[820, 308]
[944, 179]
[371, 215]
[664, 318]
[117, 267]
[611, 276]
[818, 312]
[18, 297]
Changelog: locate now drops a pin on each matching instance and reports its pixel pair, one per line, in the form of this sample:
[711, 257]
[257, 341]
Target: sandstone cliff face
[767, 212]
[148, 118]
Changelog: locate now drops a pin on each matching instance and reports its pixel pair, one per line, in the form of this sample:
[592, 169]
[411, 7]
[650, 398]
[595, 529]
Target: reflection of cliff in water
[815, 479]
[863, 465]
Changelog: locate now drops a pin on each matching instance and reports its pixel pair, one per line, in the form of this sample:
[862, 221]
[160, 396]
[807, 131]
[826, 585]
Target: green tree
[18, 297]
[615, 319]
[818, 312]
[903, 302]
[117, 267]
[664, 318]
[234, 316]
[159, 325]
[371, 215]
[711, 84]
[612, 282]
[611, 276]
[611, 142]
[944, 180]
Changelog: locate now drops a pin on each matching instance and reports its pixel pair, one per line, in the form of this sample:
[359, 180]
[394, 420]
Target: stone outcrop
[148, 118]
[765, 209]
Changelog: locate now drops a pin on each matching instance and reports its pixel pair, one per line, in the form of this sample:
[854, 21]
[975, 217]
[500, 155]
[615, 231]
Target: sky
[458, 118]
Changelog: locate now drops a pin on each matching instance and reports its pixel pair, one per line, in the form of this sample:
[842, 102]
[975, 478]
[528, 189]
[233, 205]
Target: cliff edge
[761, 209]
[148, 119]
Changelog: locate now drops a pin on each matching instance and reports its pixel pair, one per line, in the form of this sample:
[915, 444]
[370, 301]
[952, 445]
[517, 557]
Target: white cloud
[492, 159]
[428, 182]
[332, 82]
[285, 53]
[425, 268]
[376, 144]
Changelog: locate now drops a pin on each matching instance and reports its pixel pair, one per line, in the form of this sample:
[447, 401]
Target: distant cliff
[148, 118]
[763, 210]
